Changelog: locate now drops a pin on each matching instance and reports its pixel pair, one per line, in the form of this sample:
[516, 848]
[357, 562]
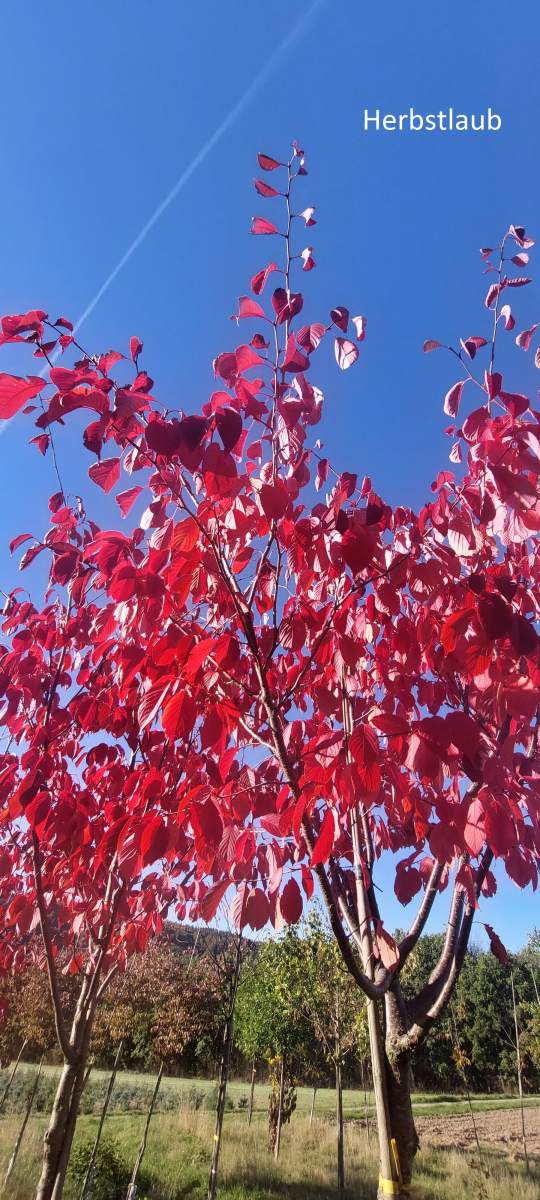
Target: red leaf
[261, 225]
[210, 902]
[249, 308]
[135, 348]
[105, 473]
[274, 499]
[364, 748]
[496, 946]
[407, 883]
[15, 393]
[387, 947]
[290, 902]
[264, 189]
[266, 163]
[524, 339]
[126, 500]
[325, 840]
[474, 833]
[259, 280]
[431, 344]
[18, 541]
[229, 425]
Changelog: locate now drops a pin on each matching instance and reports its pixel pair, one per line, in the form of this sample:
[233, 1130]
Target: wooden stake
[520, 1081]
[7, 1088]
[252, 1092]
[132, 1189]
[89, 1177]
[20, 1134]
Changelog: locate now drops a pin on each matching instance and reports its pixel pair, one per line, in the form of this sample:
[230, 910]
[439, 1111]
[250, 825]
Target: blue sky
[104, 106]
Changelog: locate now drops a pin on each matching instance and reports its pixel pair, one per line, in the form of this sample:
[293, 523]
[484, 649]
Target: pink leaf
[431, 344]
[346, 353]
[360, 326]
[452, 399]
[15, 393]
[249, 308]
[524, 339]
[261, 225]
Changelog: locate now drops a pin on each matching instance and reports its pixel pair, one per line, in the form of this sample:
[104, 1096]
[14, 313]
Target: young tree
[271, 1025]
[354, 679]
[327, 994]
[89, 804]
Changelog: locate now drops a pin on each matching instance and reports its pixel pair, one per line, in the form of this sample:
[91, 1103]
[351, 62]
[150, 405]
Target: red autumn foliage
[305, 682]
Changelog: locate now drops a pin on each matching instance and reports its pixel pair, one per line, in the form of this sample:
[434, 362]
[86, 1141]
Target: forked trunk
[58, 1137]
[57, 1130]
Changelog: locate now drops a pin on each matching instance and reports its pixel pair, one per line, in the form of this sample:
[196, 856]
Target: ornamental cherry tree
[340, 680]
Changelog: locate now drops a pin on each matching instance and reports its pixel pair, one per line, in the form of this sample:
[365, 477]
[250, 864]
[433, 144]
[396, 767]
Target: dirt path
[498, 1130]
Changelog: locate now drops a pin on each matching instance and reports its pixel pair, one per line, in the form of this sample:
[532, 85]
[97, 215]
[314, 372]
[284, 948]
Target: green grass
[425, 1104]
[177, 1161]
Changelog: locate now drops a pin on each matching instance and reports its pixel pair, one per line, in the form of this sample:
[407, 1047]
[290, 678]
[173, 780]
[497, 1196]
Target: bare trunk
[388, 1174]
[252, 1092]
[87, 1185]
[224, 1072]
[132, 1189]
[7, 1088]
[313, 1099]
[403, 1136]
[280, 1110]
[24, 1123]
[339, 1133]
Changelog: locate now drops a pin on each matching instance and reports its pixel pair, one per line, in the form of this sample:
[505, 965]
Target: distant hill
[201, 939]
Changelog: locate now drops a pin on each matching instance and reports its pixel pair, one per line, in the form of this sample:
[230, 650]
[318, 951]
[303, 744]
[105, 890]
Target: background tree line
[296, 1005]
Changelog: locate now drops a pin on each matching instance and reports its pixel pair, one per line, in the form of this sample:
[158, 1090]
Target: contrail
[253, 90]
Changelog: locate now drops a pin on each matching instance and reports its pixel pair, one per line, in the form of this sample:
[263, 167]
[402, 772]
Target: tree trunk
[280, 1110]
[20, 1134]
[313, 1099]
[252, 1092]
[388, 1173]
[132, 1189]
[339, 1133]
[58, 1137]
[7, 1088]
[403, 1136]
[224, 1072]
[87, 1185]
[519, 1075]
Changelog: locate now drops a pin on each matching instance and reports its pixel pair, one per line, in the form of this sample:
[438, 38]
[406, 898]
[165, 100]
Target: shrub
[111, 1173]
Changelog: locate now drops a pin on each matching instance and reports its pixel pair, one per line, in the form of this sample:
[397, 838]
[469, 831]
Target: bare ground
[499, 1130]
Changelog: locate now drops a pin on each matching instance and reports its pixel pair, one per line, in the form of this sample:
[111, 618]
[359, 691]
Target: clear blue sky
[103, 107]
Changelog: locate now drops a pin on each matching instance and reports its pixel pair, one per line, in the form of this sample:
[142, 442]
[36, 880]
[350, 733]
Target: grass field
[178, 1153]
[424, 1103]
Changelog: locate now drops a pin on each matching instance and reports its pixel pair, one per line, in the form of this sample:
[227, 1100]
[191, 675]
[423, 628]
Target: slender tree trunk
[339, 1133]
[280, 1109]
[87, 1185]
[7, 1088]
[132, 1189]
[224, 1073]
[252, 1092]
[24, 1123]
[366, 1113]
[388, 1172]
[313, 1099]
[519, 1075]
[403, 1136]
